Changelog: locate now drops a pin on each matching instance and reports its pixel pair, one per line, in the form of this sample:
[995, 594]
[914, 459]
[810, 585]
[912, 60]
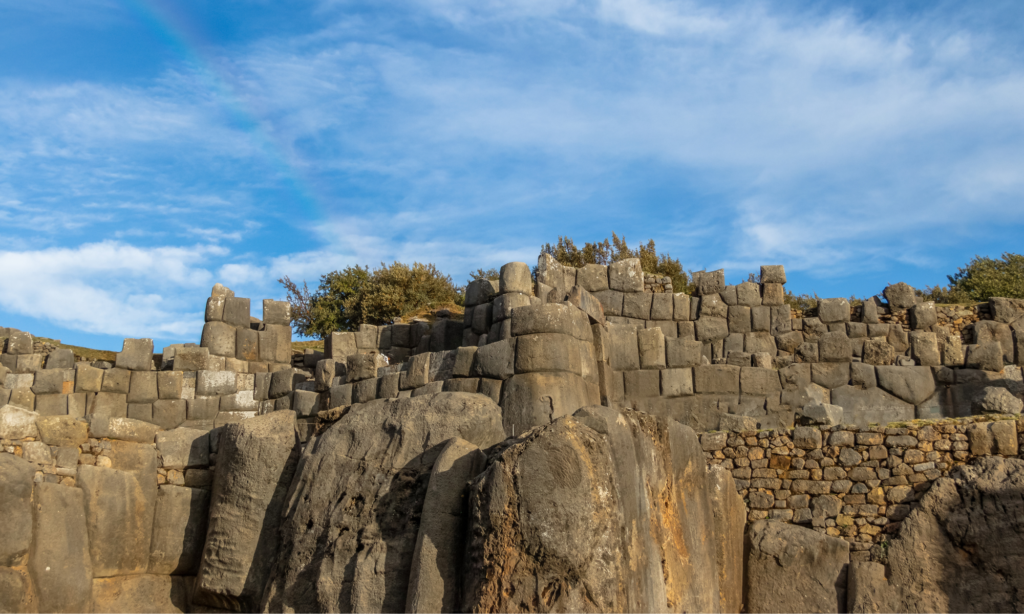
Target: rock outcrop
[602, 511]
[960, 551]
[353, 515]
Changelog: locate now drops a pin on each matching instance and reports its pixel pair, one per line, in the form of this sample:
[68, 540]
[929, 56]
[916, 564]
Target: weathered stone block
[59, 561]
[637, 305]
[236, 312]
[183, 447]
[759, 382]
[16, 477]
[219, 338]
[202, 408]
[496, 360]
[119, 508]
[169, 413]
[216, 383]
[109, 404]
[192, 359]
[772, 294]
[87, 378]
[924, 348]
[833, 310]
[641, 384]
[136, 355]
[257, 457]
[536, 353]
[143, 387]
[676, 382]
[651, 344]
[277, 312]
[61, 359]
[626, 275]
[19, 342]
[739, 319]
[247, 344]
[515, 277]
[712, 329]
[49, 381]
[716, 379]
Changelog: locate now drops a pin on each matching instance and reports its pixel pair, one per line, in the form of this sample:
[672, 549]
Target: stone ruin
[585, 440]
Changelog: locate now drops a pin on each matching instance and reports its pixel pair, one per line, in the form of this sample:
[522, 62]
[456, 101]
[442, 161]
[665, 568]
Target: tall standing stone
[59, 561]
[255, 464]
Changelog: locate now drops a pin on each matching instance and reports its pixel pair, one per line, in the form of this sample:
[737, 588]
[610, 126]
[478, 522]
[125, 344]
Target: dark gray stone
[626, 276]
[987, 357]
[136, 355]
[900, 296]
[911, 384]
[15, 508]
[59, 562]
[436, 568]
[958, 550]
[795, 569]
[256, 461]
[119, 507]
[179, 530]
[381, 477]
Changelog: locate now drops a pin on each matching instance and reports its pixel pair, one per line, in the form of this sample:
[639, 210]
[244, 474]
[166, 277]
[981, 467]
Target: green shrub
[356, 295]
[606, 252]
[981, 279]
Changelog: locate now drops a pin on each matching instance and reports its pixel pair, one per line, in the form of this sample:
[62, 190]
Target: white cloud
[111, 288]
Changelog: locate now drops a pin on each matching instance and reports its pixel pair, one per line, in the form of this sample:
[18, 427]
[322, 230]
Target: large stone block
[143, 387]
[611, 302]
[219, 339]
[676, 382]
[498, 360]
[236, 312]
[119, 508]
[181, 448]
[61, 359]
[436, 573]
[192, 359]
[772, 295]
[49, 381]
[62, 431]
[15, 508]
[136, 355]
[255, 464]
[215, 309]
[501, 308]
[716, 379]
[794, 569]
[759, 381]
[480, 291]
[831, 310]
[446, 335]
[626, 275]
[515, 277]
[683, 352]
[109, 404]
[537, 399]
[924, 348]
[624, 350]
[169, 413]
[878, 352]
[169, 384]
[179, 530]
[987, 331]
[900, 296]
[340, 345]
[19, 343]
[739, 319]
[87, 378]
[538, 353]
[123, 429]
[866, 406]
[277, 312]
[59, 561]
[482, 316]
[834, 347]
[247, 344]
[651, 343]
[637, 305]
[730, 519]
[552, 318]
[216, 383]
[911, 384]
[593, 277]
[712, 329]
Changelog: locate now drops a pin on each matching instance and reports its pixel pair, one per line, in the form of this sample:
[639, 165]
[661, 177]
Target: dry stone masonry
[582, 439]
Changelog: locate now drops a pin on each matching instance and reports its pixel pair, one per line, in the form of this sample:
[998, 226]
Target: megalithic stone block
[436, 573]
[136, 355]
[626, 275]
[219, 339]
[59, 561]
[277, 312]
[338, 346]
[256, 461]
[236, 312]
[515, 277]
[119, 508]
[247, 346]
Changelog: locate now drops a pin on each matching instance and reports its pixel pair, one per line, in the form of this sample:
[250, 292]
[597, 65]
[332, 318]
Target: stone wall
[102, 515]
[848, 482]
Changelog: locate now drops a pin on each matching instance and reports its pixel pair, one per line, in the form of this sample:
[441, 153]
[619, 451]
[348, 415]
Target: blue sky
[149, 149]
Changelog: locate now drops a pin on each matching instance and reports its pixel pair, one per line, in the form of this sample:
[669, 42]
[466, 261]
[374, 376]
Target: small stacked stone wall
[849, 482]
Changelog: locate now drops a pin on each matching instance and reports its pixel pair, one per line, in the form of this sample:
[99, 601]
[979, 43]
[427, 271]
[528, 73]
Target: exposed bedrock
[601, 511]
[961, 550]
[350, 529]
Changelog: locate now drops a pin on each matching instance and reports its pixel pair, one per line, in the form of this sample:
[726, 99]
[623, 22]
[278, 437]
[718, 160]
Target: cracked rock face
[600, 511]
[961, 550]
